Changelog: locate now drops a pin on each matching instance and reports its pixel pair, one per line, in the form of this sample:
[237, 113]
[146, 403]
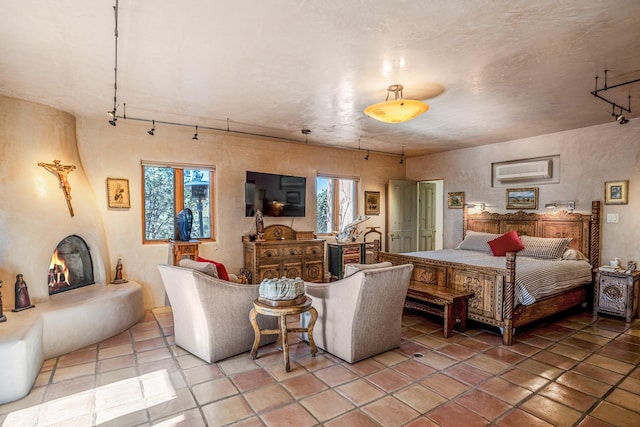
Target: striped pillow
[544, 247]
[477, 241]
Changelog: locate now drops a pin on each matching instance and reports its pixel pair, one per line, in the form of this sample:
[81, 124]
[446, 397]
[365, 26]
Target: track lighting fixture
[570, 205]
[306, 133]
[152, 131]
[621, 119]
[367, 156]
[113, 119]
[195, 135]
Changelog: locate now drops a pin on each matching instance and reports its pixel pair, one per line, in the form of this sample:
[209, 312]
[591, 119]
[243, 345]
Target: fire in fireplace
[71, 265]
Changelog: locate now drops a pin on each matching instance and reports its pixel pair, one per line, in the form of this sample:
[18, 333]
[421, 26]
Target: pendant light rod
[115, 68]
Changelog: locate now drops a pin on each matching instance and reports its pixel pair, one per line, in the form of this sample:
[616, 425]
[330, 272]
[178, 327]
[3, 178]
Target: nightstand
[616, 293]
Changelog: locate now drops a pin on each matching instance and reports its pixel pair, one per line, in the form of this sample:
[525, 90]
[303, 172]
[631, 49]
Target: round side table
[282, 312]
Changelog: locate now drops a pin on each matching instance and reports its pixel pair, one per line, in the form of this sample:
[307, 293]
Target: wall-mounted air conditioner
[537, 169]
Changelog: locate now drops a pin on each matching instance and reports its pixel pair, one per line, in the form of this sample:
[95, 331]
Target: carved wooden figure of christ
[61, 171]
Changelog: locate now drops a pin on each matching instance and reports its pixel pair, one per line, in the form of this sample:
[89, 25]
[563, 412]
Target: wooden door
[426, 216]
[401, 216]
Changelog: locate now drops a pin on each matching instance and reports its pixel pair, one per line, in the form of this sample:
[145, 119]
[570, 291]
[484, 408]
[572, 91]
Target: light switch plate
[612, 217]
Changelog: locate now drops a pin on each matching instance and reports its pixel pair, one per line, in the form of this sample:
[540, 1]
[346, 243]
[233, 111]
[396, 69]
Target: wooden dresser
[281, 254]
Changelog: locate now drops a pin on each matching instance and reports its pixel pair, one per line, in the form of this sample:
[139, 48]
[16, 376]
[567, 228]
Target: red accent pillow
[508, 242]
[222, 270]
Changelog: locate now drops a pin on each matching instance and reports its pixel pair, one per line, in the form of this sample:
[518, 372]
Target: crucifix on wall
[61, 171]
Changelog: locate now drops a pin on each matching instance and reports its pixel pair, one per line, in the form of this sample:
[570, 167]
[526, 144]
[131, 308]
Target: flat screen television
[275, 195]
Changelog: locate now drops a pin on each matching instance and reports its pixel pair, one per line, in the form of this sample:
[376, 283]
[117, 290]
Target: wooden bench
[447, 303]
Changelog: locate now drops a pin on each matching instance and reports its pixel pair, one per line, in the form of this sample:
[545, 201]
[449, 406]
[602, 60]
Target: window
[336, 203]
[169, 189]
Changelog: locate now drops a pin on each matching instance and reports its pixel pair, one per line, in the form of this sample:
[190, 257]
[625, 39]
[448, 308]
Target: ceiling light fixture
[195, 135]
[152, 131]
[367, 156]
[570, 205]
[402, 159]
[620, 118]
[306, 133]
[398, 110]
[113, 119]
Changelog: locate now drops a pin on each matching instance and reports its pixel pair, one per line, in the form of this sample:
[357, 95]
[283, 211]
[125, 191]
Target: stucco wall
[34, 216]
[588, 157]
[108, 151]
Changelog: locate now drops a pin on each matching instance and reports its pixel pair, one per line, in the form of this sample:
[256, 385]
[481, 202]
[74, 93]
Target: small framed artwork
[616, 192]
[522, 198]
[372, 203]
[455, 200]
[118, 193]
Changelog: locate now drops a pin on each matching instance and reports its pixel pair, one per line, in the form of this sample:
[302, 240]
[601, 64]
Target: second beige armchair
[361, 315]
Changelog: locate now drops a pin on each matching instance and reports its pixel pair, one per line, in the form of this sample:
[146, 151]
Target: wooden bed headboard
[584, 229]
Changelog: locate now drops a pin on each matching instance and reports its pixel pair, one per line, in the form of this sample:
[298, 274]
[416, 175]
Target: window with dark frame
[169, 189]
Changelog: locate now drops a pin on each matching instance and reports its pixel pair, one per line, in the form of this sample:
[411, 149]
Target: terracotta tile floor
[572, 371]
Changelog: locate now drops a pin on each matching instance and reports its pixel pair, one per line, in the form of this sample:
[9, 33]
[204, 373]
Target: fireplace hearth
[71, 266]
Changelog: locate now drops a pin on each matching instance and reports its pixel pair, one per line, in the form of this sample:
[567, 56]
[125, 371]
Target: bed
[498, 299]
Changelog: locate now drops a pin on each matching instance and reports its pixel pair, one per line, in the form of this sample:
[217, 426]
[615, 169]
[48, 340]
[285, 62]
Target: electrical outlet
[612, 217]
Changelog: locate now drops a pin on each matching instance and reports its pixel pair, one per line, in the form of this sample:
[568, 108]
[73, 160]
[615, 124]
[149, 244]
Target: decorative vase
[185, 221]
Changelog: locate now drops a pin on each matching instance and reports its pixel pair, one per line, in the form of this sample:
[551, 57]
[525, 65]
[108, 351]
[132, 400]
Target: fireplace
[71, 265]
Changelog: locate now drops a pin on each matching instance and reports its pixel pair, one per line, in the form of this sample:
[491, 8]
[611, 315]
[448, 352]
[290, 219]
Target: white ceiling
[492, 71]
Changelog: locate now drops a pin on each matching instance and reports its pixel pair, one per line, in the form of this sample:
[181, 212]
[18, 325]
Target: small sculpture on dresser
[259, 225]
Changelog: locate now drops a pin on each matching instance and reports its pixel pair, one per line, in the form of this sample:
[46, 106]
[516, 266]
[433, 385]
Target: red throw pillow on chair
[508, 242]
[222, 270]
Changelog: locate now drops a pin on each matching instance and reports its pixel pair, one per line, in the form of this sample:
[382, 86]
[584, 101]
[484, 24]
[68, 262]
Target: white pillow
[574, 255]
[203, 267]
[544, 247]
[477, 241]
[351, 269]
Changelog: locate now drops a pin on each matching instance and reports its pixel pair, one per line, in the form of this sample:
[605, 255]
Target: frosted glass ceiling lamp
[398, 110]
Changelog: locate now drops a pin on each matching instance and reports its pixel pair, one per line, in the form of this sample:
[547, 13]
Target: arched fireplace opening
[71, 266]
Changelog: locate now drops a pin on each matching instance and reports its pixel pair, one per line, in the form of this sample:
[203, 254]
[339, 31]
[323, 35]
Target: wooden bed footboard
[494, 289]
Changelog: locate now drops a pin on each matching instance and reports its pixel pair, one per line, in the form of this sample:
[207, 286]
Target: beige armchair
[361, 315]
[211, 316]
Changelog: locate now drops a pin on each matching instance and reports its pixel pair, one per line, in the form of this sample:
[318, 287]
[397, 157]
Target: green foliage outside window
[161, 203]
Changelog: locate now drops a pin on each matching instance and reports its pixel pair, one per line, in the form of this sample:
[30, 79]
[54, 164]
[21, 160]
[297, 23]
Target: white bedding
[535, 278]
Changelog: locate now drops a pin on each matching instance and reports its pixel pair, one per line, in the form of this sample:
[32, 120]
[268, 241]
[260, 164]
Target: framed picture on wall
[522, 198]
[118, 193]
[616, 192]
[455, 200]
[372, 203]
